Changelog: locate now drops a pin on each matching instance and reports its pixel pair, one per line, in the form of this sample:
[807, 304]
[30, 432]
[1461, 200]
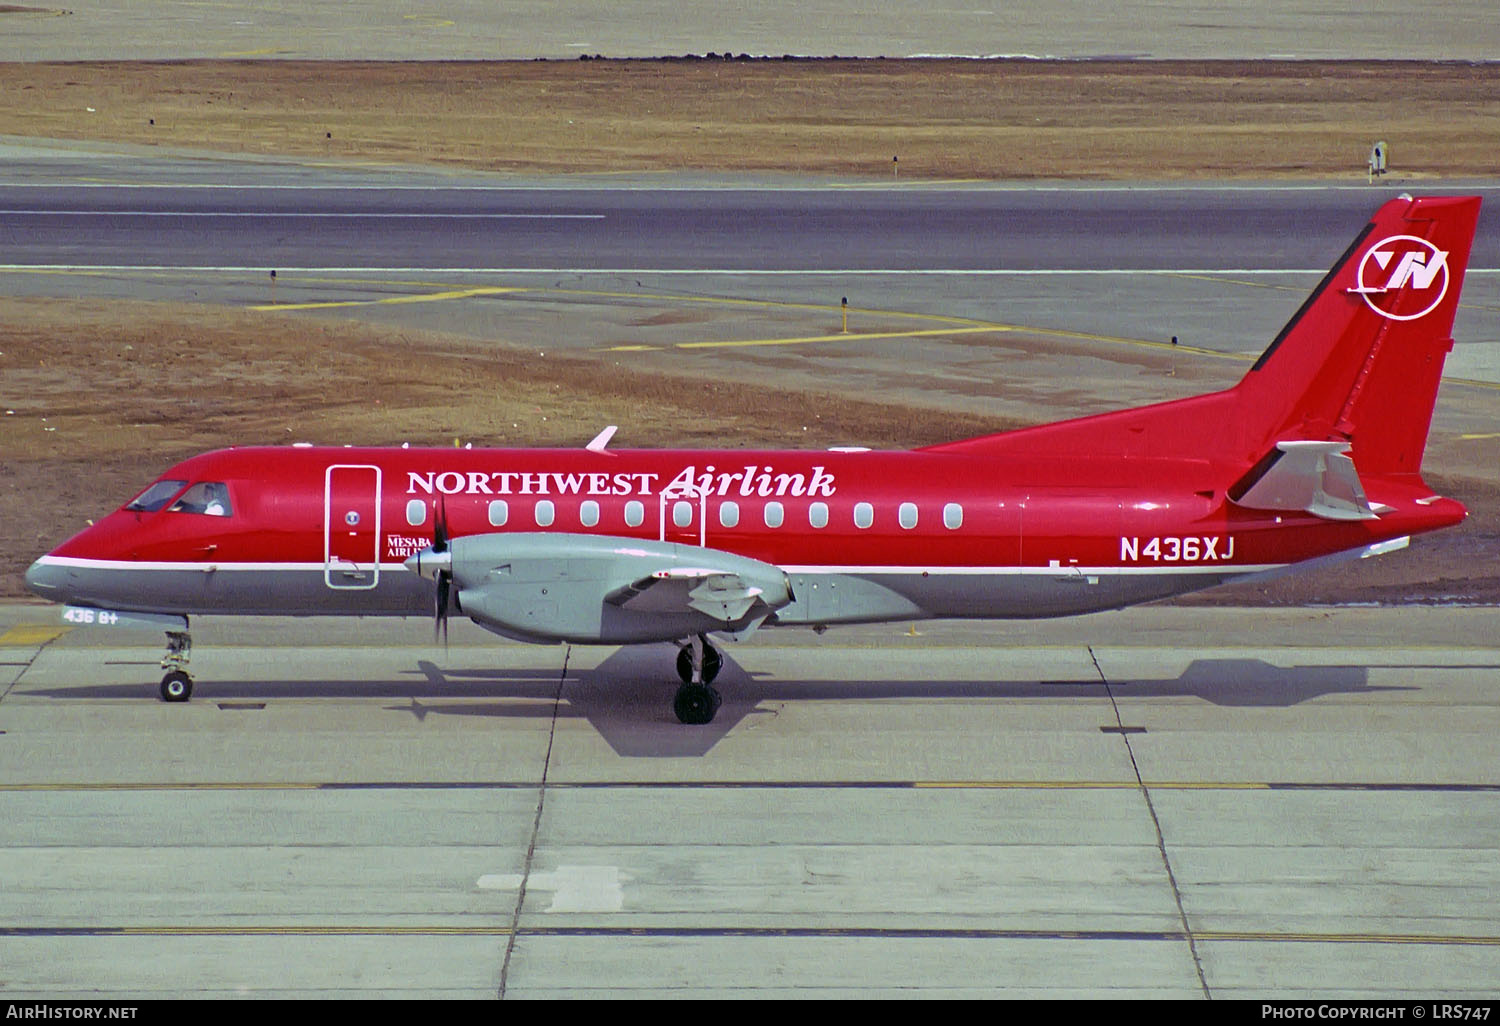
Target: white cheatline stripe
[905, 571]
[81, 563]
[1037, 571]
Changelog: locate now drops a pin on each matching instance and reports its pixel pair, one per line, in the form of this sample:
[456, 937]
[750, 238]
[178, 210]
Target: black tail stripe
[1327, 279]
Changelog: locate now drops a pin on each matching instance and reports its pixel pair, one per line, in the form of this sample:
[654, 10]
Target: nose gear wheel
[177, 685]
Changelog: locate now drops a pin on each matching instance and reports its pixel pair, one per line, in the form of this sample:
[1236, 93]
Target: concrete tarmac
[1162, 802]
[526, 29]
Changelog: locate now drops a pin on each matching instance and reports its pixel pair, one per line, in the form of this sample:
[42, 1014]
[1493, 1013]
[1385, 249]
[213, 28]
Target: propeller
[436, 562]
[444, 575]
[440, 614]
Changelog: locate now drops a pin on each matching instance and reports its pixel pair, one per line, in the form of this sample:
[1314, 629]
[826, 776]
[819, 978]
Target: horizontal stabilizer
[1314, 477]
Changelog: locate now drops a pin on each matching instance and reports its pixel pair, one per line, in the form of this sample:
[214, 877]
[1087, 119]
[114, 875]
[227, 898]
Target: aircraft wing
[599, 589]
[1314, 477]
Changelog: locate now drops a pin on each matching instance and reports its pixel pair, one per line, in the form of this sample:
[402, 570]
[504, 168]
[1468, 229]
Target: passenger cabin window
[906, 515]
[416, 512]
[499, 512]
[729, 514]
[864, 514]
[588, 513]
[817, 514]
[953, 516]
[545, 513]
[682, 514]
[210, 498]
[155, 497]
[635, 513]
[775, 514]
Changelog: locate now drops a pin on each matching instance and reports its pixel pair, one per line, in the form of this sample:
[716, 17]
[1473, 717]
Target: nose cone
[48, 580]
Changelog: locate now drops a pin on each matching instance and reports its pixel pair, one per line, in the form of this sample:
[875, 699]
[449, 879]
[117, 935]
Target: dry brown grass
[942, 118]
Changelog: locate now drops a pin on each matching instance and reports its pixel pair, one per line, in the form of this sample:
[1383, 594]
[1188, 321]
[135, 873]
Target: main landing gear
[698, 663]
[177, 685]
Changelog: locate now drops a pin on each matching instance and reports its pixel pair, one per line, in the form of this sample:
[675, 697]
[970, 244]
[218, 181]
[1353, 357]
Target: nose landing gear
[698, 663]
[177, 685]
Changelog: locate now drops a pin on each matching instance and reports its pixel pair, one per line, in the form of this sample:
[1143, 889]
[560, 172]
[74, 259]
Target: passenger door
[351, 526]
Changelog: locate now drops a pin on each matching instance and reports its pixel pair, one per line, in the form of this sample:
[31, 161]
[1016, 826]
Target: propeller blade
[440, 528]
[440, 619]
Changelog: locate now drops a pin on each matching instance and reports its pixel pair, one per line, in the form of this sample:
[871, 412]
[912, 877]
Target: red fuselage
[329, 530]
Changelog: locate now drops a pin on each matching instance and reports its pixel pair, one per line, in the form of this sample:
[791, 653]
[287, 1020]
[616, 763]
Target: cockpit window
[208, 497]
[155, 497]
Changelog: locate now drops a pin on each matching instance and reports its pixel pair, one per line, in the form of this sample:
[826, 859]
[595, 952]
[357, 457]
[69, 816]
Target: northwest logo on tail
[1401, 262]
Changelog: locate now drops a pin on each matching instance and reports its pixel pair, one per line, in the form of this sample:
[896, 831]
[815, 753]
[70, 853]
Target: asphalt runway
[753, 229]
[1288, 804]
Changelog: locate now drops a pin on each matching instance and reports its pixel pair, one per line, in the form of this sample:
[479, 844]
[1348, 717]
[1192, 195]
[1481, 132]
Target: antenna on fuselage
[602, 439]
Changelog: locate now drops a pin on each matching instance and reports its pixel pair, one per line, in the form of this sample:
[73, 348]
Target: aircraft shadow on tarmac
[627, 696]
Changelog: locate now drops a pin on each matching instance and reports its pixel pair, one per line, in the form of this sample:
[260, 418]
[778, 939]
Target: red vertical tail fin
[1362, 360]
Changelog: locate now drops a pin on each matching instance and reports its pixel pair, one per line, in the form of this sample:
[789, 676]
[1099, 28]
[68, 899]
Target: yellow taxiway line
[32, 634]
[426, 297]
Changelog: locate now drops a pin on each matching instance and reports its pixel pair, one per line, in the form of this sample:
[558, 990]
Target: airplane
[1314, 455]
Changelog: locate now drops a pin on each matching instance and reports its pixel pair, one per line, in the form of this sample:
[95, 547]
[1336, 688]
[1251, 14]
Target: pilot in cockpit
[207, 497]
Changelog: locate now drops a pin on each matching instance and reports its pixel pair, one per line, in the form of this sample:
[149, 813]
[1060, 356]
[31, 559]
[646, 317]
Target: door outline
[339, 572]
